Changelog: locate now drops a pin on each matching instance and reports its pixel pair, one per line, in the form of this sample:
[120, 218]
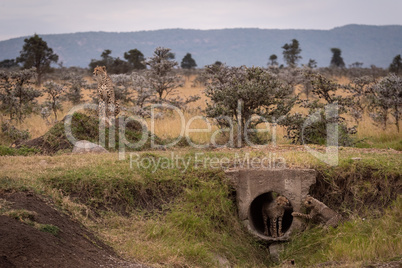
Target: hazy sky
[26, 17]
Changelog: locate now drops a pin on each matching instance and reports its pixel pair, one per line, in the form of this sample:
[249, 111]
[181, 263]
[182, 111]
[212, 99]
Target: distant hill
[376, 45]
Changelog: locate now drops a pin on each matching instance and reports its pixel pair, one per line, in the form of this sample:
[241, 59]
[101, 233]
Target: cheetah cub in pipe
[319, 211]
[274, 211]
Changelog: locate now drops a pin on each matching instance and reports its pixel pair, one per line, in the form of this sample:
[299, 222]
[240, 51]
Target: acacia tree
[385, 98]
[162, 77]
[131, 89]
[188, 62]
[54, 97]
[36, 53]
[396, 65]
[356, 64]
[291, 53]
[18, 98]
[307, 87]
[108, 60]
[123, 90]
[324, 90]
[273, 60]
[113, 65]
[135, 58]
[145, 92]
[8, 63]
[249, 96]
[358, 89]
[337, 60]
[312, 64]
[74, 82]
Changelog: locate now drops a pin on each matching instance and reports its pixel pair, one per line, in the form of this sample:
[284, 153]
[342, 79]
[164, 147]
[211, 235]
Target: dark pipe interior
[255, 213]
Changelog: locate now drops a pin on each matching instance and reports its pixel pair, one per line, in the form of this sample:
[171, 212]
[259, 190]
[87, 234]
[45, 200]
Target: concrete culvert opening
[256, 217]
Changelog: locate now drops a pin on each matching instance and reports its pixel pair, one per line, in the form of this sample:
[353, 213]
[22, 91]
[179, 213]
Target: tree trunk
[55, 115]
[39, 78]
[397, 117]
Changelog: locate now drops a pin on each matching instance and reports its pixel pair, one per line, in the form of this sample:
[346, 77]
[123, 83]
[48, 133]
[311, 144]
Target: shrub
[18, 97]
[245, 97]
[325, 115]
[14, 134]
[385, 98]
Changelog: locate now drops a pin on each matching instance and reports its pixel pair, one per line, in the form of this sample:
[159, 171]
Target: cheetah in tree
[274, 211]
[319, 211]
[108, 106]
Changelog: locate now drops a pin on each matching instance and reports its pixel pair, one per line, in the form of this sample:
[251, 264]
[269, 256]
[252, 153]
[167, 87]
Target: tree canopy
[396, 65]
[113, 65]
[36, 53]
[245, 97]
[337, 60]
[18, 97]
[188, 62]
[163, 79]
[135, 58]
[273, 60]
[291, 53]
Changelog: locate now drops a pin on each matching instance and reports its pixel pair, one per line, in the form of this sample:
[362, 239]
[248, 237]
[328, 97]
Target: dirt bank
[65, 244]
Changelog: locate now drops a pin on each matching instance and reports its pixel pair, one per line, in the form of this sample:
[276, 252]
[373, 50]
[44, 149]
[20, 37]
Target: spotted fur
[319, 211]
[108, 106]
[274, 211]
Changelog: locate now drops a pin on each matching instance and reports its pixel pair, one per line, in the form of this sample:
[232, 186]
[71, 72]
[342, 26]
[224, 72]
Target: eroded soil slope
[48, 238]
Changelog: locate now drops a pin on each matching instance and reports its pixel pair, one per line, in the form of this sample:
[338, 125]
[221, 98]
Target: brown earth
[23, 245]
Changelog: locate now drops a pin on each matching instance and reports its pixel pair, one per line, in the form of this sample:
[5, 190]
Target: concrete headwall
[254, 187]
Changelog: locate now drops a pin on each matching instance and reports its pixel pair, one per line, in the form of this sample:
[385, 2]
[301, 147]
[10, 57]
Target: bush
[18, 97]
[245, 97]
[385, 98]
[84, 127]
[14, 134]
[324, 116]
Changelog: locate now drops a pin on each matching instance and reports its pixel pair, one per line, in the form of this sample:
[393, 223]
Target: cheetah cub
[319, 211]
[274, 211]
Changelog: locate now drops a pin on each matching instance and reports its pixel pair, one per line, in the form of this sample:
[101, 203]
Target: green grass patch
[24, 151]
[392, 144]
[22, 215]
[363, 187]
[85, 127]
[118, 187]
[28, 217]
[383, 141]
[364, 240]
[49, 228]
[187, 216]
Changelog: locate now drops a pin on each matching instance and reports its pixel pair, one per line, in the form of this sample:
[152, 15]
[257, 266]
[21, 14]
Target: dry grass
[175, 239]
[171, 126]
[163, 240]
